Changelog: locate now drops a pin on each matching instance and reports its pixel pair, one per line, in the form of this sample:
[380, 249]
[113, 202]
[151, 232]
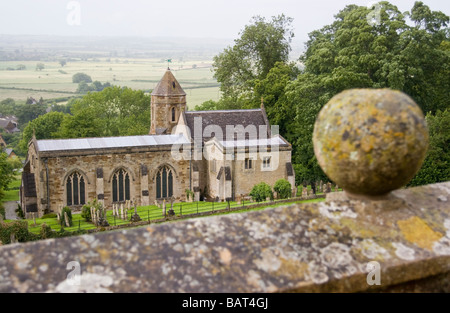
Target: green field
[54, 81]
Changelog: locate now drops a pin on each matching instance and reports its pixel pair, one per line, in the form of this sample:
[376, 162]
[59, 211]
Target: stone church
[217, 155]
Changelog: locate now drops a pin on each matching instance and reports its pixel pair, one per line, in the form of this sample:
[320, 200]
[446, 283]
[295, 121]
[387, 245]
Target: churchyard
[122, 214]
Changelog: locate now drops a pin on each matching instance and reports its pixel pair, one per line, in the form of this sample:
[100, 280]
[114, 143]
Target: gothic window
[75, 189]
[164, 183]
[173, 115]
[121, 186]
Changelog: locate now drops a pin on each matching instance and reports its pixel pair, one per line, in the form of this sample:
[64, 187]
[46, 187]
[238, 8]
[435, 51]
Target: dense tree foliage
[436, 167]
[351, 53]
[407, 51]
[28, 112]
[260, 45]
[81, 77]
[8, 169]
[45, 127]
[115, 111]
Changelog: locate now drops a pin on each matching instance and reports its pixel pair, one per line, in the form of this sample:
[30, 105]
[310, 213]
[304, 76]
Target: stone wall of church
[244, 179]
[161, 112]
[98, 170]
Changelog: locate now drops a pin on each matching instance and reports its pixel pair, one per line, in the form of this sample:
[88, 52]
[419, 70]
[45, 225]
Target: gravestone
[93, 216]
[304, 192]
[66, 219]
[122, 213]
[329, 187]
[324, 188]
[13, 238]
[164, 208]
[313, 187]
[135, 218]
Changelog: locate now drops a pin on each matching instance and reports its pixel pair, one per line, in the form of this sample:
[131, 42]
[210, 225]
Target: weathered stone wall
[142, 182]
[161, 112]
[314, 247]
[245, 179]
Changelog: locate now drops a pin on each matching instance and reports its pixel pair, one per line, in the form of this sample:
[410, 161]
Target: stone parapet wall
[341, 245]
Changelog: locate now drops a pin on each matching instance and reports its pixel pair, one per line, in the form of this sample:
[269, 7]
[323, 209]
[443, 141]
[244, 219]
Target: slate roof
[108, 142]
[168, 86]
[223, 118]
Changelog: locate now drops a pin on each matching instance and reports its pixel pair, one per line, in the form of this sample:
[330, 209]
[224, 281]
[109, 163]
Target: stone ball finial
[370, 141]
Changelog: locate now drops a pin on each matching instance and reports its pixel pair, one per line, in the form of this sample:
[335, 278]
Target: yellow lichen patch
[415, 230]
[292, 268]
[104, 254]
[367, 143]
[357, 228]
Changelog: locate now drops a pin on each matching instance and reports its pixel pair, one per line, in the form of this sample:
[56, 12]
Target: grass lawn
[13, 193]
[149, 213]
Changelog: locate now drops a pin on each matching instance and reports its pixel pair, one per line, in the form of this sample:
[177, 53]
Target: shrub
[46, 231]
[19, 229]
[62, 220]
[86, 212]
[283, 188]
[261, 191]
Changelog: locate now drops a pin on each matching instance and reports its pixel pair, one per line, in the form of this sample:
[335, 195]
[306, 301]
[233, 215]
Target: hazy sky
[174, 18]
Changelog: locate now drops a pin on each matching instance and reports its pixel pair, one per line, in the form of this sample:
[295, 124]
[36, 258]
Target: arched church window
[121, 186]
[75, 189]
[164, 183]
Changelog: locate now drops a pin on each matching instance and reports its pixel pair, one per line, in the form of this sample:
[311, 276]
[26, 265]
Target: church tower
[168, 101]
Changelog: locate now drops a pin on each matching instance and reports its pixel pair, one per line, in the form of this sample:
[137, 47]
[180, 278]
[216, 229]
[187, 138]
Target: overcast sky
[172, 18]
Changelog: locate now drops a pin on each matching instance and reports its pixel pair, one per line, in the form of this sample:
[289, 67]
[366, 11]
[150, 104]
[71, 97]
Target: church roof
[168, 86]
[255, 117]
[266, 142]
[108, 142]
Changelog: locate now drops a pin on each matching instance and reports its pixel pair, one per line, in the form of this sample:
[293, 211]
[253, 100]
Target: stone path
[10, 210]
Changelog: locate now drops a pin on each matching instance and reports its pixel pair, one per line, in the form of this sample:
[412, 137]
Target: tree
[81, 77]
[271, 90]
[436, 166]
[45, 127]
[7, 106]
[40, 66]
[28, 112]
[7, 172]
[260, 46]
[351, 53]
[62, 63]
[115, 111]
